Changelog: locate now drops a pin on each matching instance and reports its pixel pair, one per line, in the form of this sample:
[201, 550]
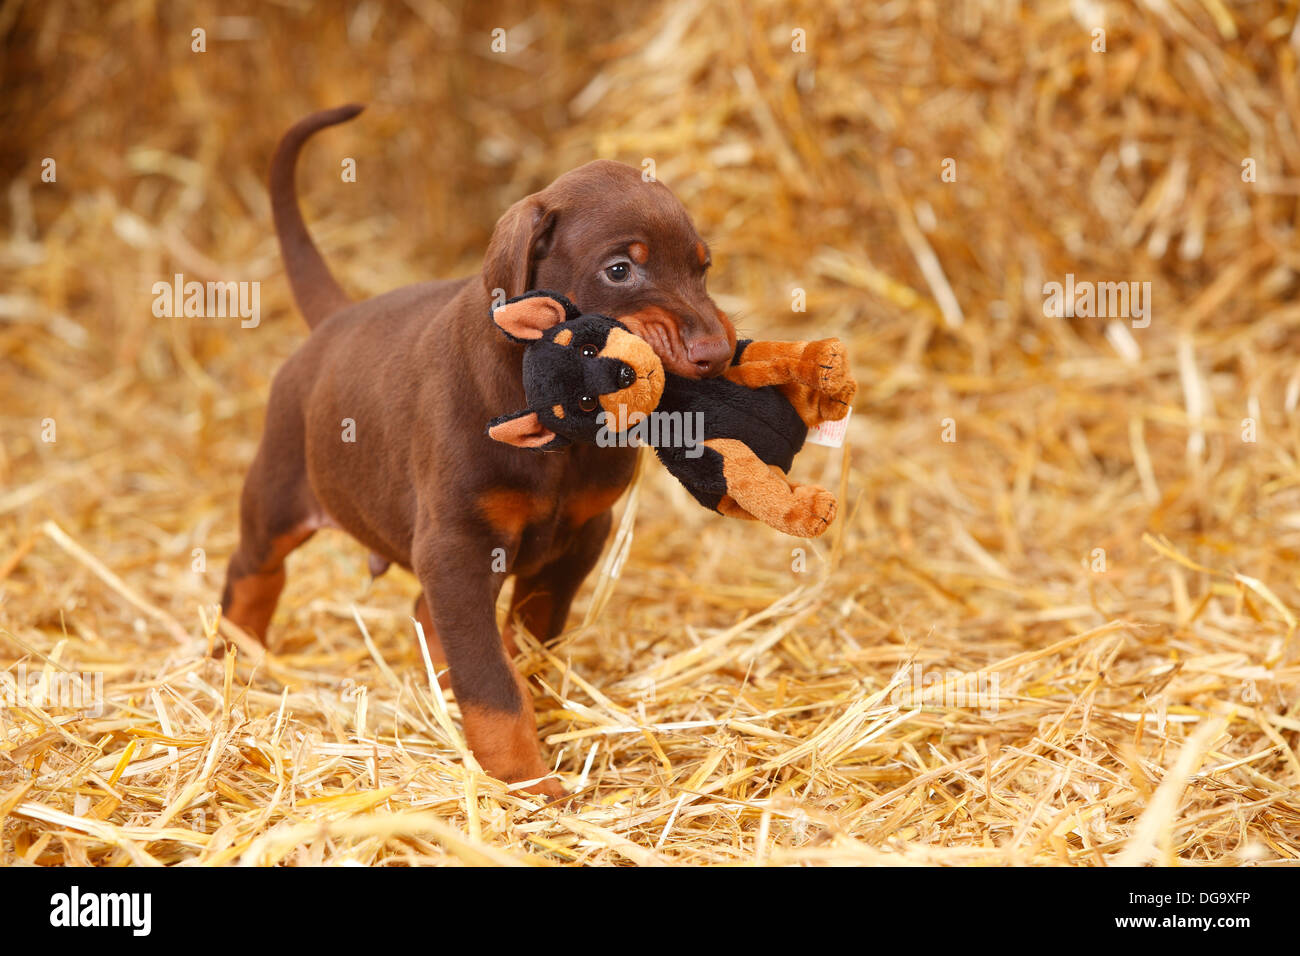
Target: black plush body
[588, 378]
[762, 418]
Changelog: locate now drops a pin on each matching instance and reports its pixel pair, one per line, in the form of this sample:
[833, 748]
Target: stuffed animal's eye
[587, 403]
[619, 271]
[589, 351]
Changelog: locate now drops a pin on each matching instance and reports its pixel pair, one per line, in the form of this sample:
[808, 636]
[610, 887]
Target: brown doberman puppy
[376, 426]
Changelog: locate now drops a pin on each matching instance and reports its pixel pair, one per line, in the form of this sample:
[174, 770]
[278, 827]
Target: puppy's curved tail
[314, 288]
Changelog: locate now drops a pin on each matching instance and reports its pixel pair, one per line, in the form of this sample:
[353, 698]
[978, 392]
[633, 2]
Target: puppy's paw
[551, 789]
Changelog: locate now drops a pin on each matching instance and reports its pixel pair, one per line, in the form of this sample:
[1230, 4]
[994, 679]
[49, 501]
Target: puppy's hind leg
[277, 513]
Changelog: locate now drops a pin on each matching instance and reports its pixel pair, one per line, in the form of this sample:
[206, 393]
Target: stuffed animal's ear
[525, 430]
[571, 311]
[528, 317]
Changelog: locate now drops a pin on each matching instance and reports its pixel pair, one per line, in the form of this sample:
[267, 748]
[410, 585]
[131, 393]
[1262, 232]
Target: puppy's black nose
[626, 377]
[710, 355]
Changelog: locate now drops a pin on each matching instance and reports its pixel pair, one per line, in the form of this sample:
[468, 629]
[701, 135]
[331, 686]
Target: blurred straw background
[1107, 542]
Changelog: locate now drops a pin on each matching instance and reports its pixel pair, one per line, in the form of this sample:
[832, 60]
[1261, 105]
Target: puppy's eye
[590, 351]
[587, 403]
[619, 271]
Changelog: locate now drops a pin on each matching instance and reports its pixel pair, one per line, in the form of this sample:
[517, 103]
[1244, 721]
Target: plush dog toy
[729, 440]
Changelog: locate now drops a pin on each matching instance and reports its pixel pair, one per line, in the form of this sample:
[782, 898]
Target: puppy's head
[622, 247]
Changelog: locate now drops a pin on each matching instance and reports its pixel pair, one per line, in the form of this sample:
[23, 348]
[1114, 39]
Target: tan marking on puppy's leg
[505, 744]
[253, 586]
[251, 600]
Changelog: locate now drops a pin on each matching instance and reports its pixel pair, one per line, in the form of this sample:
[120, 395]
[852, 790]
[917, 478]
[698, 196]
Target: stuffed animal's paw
[832, 408]
[831, 378]
[813, 512]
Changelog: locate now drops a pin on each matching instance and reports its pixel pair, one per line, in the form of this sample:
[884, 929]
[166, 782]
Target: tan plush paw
[813, 512]
[832, 409]
[831, 375]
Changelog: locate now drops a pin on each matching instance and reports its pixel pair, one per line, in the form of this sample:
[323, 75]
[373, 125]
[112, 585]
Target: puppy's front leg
[496, 703]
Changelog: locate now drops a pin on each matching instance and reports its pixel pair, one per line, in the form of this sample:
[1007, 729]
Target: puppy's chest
[561, 509]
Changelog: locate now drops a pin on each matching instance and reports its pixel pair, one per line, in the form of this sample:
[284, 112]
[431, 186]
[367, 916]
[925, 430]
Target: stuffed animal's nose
[626, 377]
[709, 355]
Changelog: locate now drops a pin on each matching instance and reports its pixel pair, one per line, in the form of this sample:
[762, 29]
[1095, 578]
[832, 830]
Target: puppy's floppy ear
[527, 317]
[521, 237]
[525, 430]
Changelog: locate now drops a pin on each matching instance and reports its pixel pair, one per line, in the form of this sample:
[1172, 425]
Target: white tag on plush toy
[830, 434]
